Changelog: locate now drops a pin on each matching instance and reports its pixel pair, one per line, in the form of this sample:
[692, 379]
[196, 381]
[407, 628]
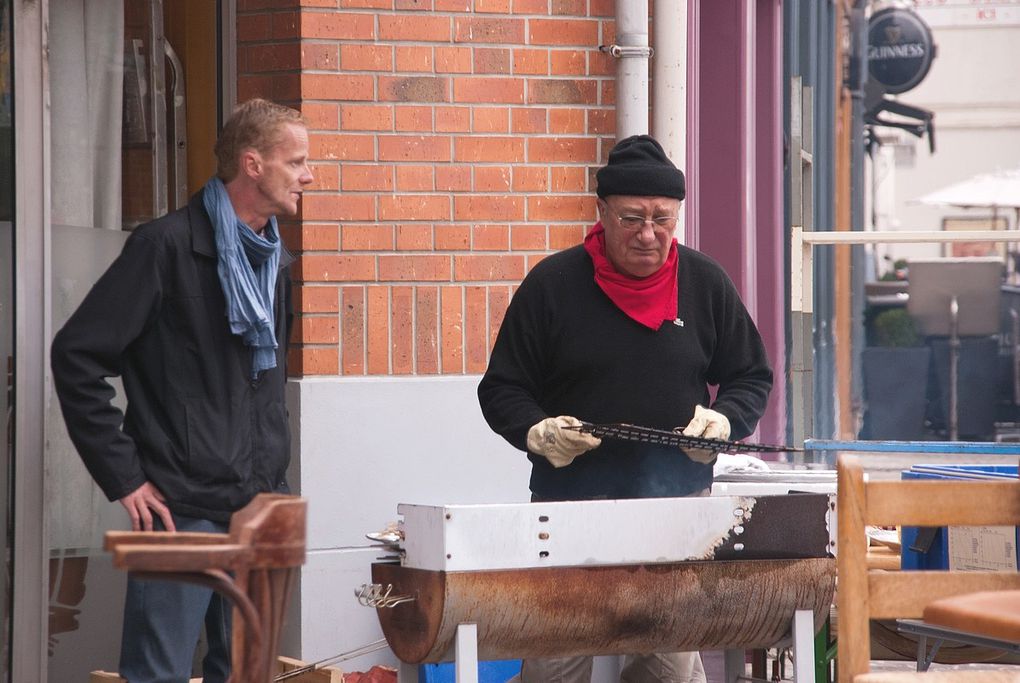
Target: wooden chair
[254, 566]
[864, 594]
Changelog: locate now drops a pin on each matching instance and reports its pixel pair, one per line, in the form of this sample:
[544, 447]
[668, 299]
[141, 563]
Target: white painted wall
[974, 89]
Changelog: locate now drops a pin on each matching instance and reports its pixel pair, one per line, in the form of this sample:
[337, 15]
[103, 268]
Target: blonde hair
[254, 124]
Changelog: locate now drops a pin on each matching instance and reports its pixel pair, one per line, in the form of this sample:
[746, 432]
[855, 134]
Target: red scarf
[651, 300]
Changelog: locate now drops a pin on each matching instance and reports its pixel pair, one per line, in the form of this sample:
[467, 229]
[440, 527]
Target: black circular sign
[900, 49]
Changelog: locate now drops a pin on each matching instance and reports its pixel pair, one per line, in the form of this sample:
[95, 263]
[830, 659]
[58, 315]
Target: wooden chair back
[254, 565]
[864, 594]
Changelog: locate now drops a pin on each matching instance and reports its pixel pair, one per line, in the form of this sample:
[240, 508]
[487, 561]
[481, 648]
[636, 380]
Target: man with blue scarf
[194, 316]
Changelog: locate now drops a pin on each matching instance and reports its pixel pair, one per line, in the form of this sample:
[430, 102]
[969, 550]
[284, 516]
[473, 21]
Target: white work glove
[708, 424]
[560, 446]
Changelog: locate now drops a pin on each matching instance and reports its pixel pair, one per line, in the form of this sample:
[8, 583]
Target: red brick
[319, 237]
[317, 299]
[561, 208]
[486, 30]
[601, 64]
[286, 87]
[499, 299]
[273, 57]
[491, 120]
[367, 4]
[366, 117]
[402, 330]
[325, 146]
[318, 3]
[475, 149]
[531, 62]
[414, 268]
[562, 91]
[414, 119]
[528, 120]
[414, 237]
[527, 237]
[453, 237]
[456, 60]
[531, 7]
[534, 260]
[371, 237]
[378, 330]
[479, 268]
[607, 92]
[366, 178]
[249, 86]
[253, 27]
[568, 179]
[414, 207]
[320, 56]
[453, 179]
[352, 331]
[321, 116]
[452, 329]
[414, 27]
[326, 177]
[491, 60]
[476, 344]
[567, 63]
[572, 7]
[414, 89]
[602, 8]
[563, 236]
[414, 58]
[337, 86]
[287, 26]
[360, 57]
[601, 121]
[492, 179]
[488, 208]
[338, 25]
[453, 5]
[563, 32]
[415, 179]
[320, 329]
[414, 148]
[426, 333]
[405, 5]
[453, 119]
[490, 238]
[492, 6]
[313, 360]
[577, 150]
[510, 90]
[530, 179]
[566, 121]
[355, 207]
[337, 268]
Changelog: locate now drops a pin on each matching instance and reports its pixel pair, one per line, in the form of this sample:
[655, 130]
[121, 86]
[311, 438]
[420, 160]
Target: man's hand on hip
[142, 502]
[708, 424]
[560, 446]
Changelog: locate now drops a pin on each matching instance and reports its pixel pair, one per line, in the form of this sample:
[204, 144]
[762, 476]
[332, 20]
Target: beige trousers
[667, 667]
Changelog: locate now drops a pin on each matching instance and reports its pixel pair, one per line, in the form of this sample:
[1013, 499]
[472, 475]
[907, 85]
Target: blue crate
[937, 555]
[499, 671]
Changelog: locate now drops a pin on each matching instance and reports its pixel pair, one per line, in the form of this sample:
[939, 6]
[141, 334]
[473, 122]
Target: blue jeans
[163, 622]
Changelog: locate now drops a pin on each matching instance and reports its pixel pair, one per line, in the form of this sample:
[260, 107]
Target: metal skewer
[663, 437]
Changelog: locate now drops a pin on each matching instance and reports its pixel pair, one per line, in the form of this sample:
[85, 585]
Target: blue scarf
[247, 266]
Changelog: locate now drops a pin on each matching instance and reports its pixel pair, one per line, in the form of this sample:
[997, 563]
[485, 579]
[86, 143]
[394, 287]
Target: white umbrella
[998, 190]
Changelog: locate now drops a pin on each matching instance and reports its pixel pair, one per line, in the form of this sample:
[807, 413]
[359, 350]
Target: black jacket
[197, 426]
[564, 348]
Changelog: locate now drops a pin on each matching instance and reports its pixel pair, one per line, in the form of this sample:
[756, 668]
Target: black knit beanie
[638, 166]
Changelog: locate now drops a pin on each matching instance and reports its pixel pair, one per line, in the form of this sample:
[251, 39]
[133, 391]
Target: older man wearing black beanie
[632, 327]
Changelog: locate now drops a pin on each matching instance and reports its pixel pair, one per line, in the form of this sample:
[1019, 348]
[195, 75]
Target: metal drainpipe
[669, 72]
[632, 51]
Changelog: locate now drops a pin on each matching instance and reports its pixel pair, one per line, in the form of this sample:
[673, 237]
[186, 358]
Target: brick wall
[454, 144]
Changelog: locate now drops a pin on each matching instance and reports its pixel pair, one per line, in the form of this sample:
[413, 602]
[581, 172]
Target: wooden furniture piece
[254, 566]
[864, 593]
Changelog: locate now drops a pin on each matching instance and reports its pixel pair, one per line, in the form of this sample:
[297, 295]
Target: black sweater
[565, 349]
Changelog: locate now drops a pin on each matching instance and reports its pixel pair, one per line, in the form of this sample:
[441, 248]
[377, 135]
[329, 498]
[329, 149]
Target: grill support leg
[804, 646]
[466, 653]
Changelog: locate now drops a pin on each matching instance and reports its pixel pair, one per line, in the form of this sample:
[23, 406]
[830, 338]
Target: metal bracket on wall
[620, 51]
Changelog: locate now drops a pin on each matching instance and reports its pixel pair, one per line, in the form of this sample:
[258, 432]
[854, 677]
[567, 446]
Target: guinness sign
[900, 49]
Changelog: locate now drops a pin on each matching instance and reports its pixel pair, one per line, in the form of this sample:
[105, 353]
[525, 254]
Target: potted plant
[895, 368]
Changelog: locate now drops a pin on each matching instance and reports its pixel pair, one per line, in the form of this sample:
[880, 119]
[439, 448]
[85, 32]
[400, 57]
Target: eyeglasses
[631, 223]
